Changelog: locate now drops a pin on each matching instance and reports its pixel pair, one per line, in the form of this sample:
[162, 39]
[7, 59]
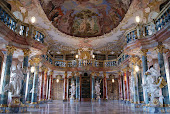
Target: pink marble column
[45, 84]
[125, 85]
[51, 85]
[104, 86]
[65, 87]
[41, 87]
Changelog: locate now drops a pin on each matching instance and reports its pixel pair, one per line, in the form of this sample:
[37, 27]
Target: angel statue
[16, 81]
[72, 90]
[97, 89]
[153, 86]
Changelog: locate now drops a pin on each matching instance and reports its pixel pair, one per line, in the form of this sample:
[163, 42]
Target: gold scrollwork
[26, 52]
[10, 49]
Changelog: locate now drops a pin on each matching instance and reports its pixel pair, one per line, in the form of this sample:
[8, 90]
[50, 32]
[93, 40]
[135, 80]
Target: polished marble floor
[103, 107]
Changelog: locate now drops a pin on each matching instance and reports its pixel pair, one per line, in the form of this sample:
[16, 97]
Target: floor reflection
[103, 107]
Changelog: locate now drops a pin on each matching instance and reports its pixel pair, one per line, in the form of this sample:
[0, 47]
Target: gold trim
[28, 102]
[33, 102]
[3, 105]
[26, 52]
[10, 49]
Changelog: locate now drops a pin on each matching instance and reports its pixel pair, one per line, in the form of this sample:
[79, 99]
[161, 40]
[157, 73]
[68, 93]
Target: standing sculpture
[16, 81]
[97, 90]
[153, 86]
[15, 88]
[72, 90]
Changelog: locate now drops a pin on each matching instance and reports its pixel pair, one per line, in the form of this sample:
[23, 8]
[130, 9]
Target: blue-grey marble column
[145, 68]
[92, 87]
[135, 81]
[165, 90]
[6, 78]
[140, 88]
[77, 87]
[25, 66]
[35, 82]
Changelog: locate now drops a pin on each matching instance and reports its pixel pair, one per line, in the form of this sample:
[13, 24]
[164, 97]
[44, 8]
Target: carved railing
[122, 58]
[144, 30]
[80, 62]
[23, 29]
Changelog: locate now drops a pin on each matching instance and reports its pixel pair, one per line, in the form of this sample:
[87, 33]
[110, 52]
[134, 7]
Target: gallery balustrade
[150, 28]
[23, 29]
[85, 62]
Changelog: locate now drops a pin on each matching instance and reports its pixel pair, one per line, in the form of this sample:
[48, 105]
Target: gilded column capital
[10, 49]
[36, 60]
[139, 62]
[77, 73]
[119, 73]
[72, 74]
[124, 70]
[26, 52]
[134, 59]
[31, 62]
[160, 48]
[97, 74]
[45, 70]
[144, 52]
[93, 73]
[65, 73]
[51, 72]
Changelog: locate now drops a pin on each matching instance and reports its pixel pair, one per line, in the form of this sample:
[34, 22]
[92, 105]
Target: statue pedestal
[156, 109]
[16, 106]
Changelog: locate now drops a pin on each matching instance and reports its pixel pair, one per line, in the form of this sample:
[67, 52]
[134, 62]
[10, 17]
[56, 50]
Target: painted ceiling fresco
[85, 18]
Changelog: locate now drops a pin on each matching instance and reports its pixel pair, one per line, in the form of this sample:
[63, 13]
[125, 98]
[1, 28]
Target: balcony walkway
[107, 107]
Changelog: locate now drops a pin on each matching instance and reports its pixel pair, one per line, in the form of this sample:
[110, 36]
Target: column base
[156, 109]
[13, 109]
[33, 105]
[65, 100]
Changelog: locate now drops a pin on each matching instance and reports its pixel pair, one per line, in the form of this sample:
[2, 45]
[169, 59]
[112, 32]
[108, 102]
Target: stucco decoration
[85, 18]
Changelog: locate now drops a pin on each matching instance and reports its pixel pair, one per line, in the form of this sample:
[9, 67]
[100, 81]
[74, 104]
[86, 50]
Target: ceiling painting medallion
[85, 18]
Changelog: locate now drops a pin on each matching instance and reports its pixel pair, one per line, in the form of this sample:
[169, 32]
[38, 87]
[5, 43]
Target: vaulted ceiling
[73, 24]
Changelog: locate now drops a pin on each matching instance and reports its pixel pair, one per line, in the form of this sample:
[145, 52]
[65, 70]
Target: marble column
[41, 97]
[165, 90]
[77, 86]
[25, 67]
[135, 81]
[30, 83]
[124, 84]
[72, 81]
[45, 84]
[120, 87]
[104, 86]
[50, 86]
[128, 83]
[92, 86]
[145, 68]
[35, 81]
[6, 78]
[65, 86]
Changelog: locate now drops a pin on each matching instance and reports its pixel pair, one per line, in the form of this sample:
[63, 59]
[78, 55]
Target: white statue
[152, 85]
[72, 90]
[97, 89]
[16, 81]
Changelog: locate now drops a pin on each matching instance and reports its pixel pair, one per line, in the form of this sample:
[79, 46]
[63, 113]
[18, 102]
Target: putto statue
[16, 81]
[97, 90]
[72, 90]
[153, 86]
